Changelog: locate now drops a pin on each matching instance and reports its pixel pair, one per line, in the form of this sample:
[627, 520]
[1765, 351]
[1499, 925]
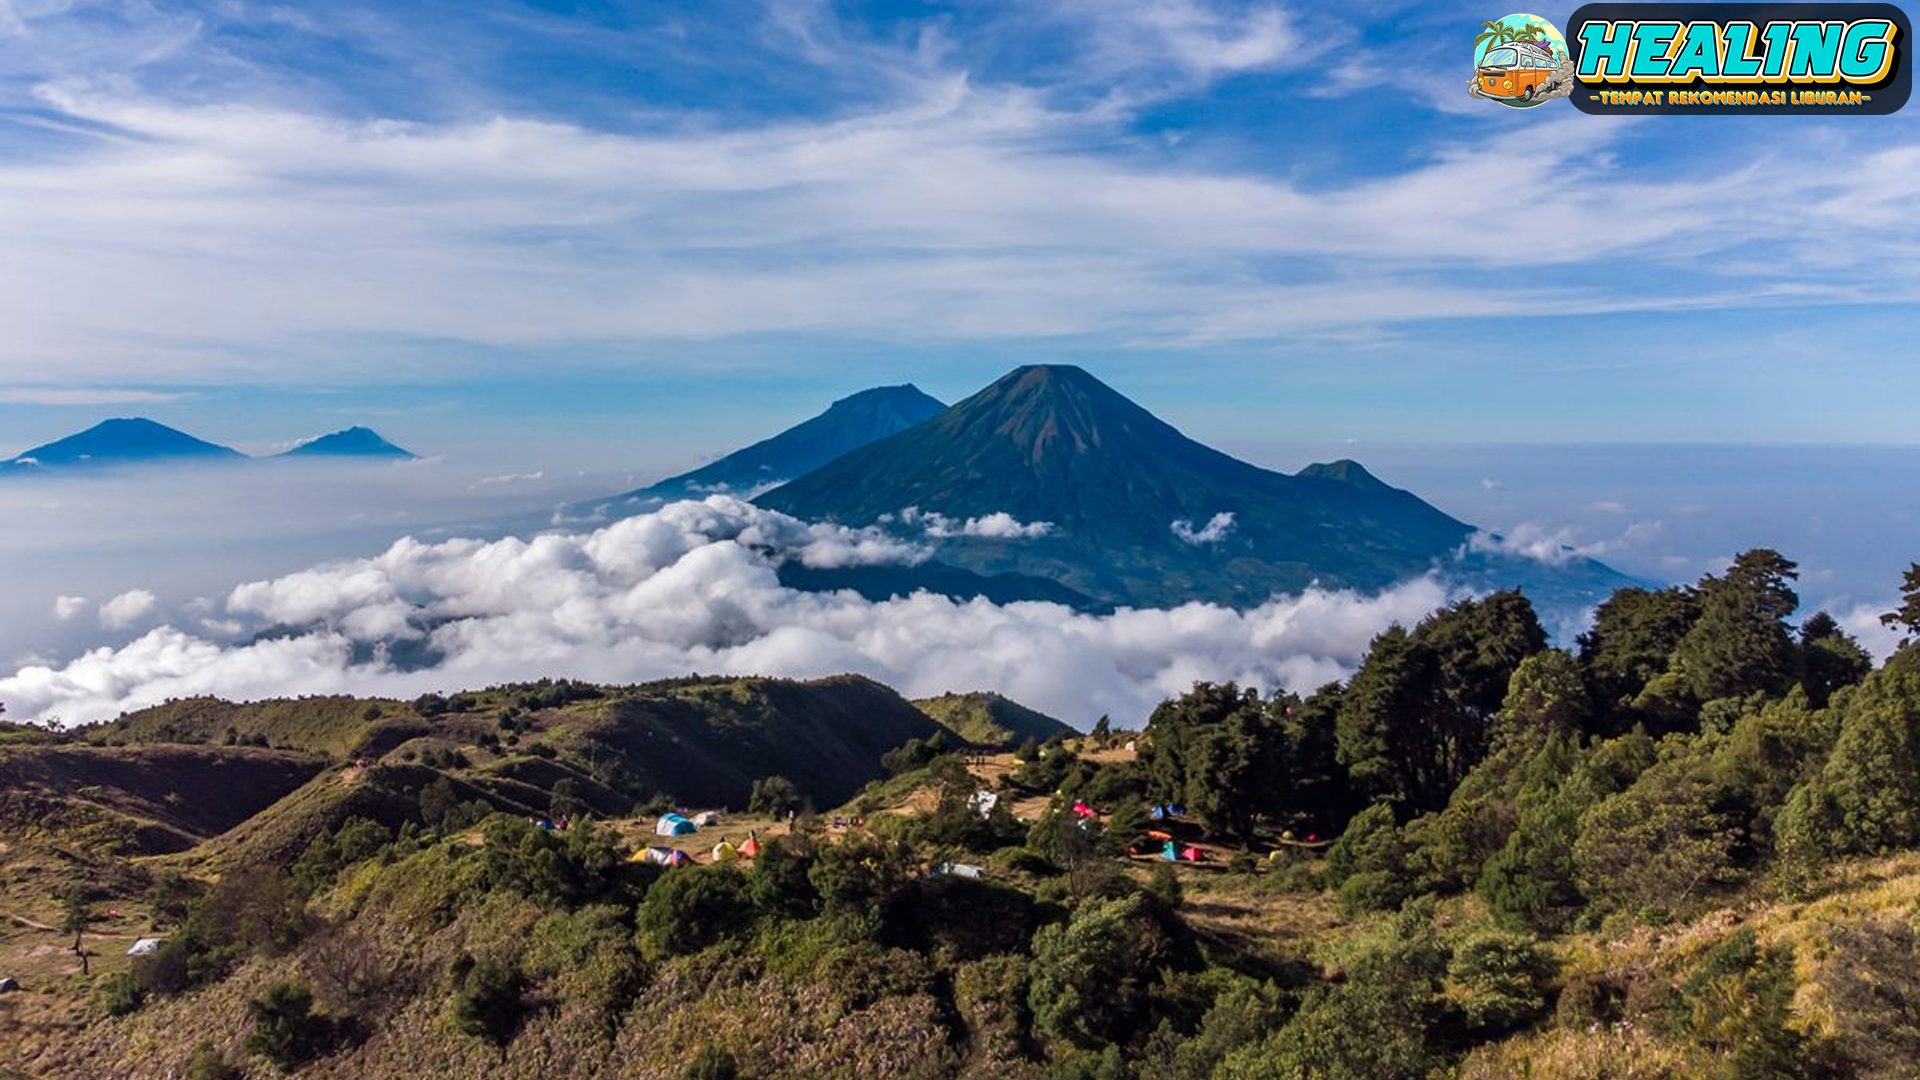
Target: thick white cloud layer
[692, 587]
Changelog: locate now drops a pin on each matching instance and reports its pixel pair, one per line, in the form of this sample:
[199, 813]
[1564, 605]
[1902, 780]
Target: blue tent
[1167, 812]
[674, 825]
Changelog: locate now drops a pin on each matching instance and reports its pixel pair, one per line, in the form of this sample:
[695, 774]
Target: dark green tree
[1741, 643]
[773, 796]
[1830, 659]
[1906, 618]
[1545, 698]
[1386, 735]
[1379, 1022]
[1418, 715]
[1632, 640]
[488, 1005]
[1370, 863]
[860, 881]
[565, 800]
[1318, 791]
[1868, 793]
[1739, 1003]
[1222, 752]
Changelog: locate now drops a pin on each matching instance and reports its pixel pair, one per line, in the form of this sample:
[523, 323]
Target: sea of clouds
[691, 587]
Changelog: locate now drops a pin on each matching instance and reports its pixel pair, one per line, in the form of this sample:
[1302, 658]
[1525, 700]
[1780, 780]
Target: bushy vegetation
[1500, 858]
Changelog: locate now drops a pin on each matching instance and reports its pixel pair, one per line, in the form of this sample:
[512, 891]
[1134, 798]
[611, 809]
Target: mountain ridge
[847, 424]
[1140, 514]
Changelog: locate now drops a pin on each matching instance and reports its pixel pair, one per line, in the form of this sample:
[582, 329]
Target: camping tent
[959, 869]
[8, 986]
[725, 852]
[1167, 812]
[1081, 809]
[750, 847]
[1169, 852]
[674, 825]
[145, 946]
[707, 819]
[663, 856]
[983, 802]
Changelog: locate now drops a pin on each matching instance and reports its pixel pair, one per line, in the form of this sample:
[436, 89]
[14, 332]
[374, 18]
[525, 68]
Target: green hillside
[1688, 849]
[987, 719]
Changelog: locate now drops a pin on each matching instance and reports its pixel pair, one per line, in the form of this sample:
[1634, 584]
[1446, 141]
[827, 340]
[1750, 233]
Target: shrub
[286, 1030]
[1498, 981]
[711, 1063]
[1370, 863]
[1739, 1002]
[488, 1004]
[207, 1063]
[120, 994]
[692, 908]
[1660, 847]
[1590, 998]
[1092, 975]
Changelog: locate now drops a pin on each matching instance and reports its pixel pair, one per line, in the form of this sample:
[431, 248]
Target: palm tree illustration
[1495, 34]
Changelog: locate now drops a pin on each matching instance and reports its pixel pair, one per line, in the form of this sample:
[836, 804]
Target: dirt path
[30, 924]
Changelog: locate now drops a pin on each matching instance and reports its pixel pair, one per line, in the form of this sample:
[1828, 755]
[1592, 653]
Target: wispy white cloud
[998, 525]
[66, 607]
[1556, 546]
[1863, 622]
[1213, 532]
[85, 396]
[240, 236]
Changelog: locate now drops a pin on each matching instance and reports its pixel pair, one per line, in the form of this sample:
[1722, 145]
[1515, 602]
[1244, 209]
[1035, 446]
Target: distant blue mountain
[353, 442]
[125, 441]
[848, 424]
[132, 441]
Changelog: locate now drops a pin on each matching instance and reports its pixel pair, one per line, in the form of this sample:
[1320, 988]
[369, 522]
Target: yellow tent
[725, 852]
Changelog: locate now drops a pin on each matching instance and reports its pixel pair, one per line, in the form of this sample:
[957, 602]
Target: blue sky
[637, 234]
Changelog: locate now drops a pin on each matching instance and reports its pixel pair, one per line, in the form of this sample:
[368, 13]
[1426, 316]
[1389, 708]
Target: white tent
[146, 946]
[706, 819]
[960, 869]
[982, 802]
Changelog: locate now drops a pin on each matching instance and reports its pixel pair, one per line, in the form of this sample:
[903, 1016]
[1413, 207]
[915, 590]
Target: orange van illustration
[1518, 69]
